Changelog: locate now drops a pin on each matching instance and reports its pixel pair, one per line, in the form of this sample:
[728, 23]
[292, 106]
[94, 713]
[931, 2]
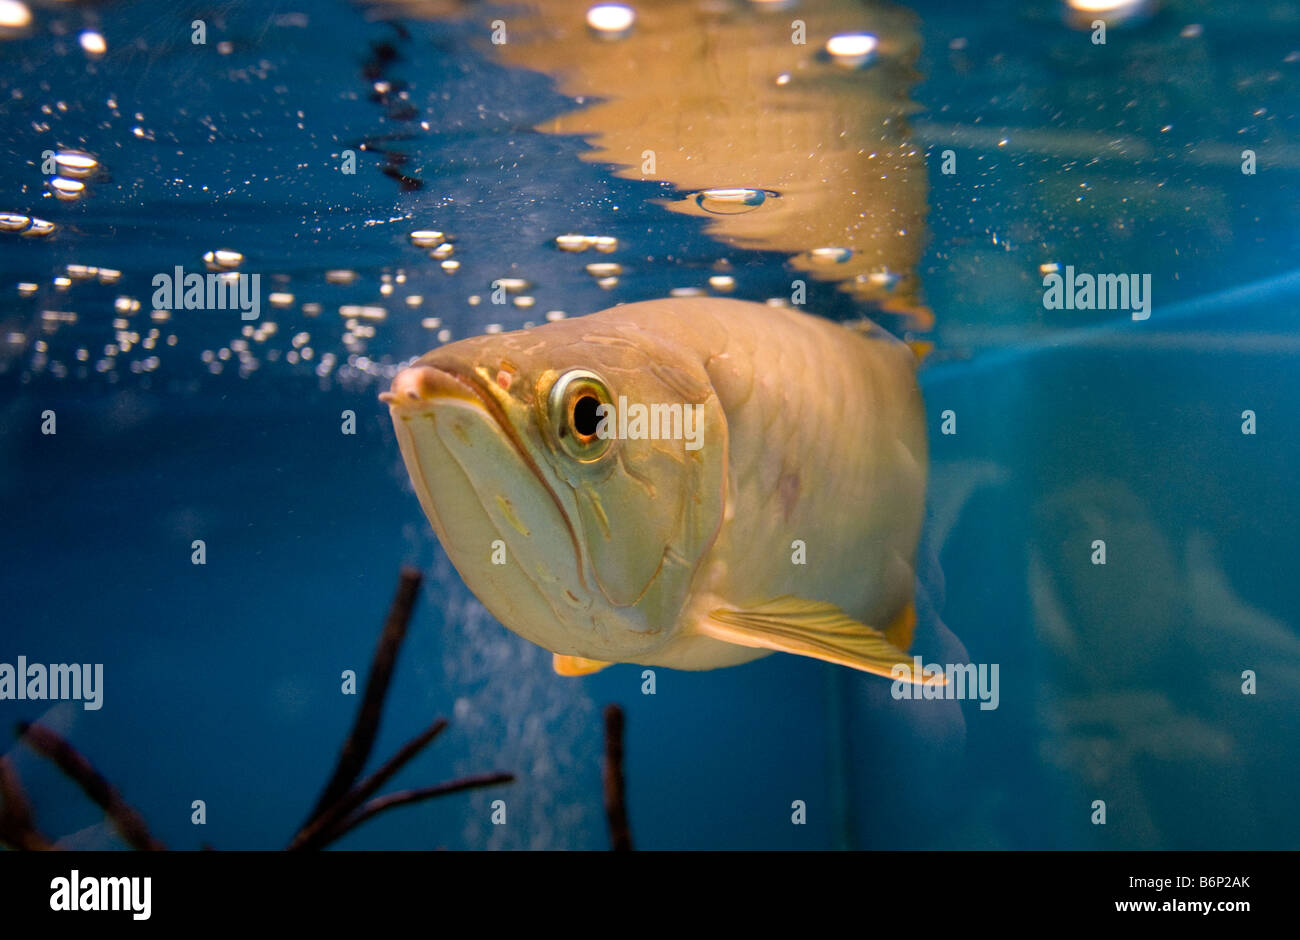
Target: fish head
[577, 529]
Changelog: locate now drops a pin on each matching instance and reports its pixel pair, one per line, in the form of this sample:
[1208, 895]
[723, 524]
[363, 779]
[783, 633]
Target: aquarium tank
[986, 314]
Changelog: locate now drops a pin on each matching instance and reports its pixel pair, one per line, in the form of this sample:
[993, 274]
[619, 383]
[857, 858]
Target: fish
[690, 483]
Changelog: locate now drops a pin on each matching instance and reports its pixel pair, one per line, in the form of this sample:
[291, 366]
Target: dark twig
[406, 797]
[343, 804]
[620, 836]
[17, 828]
[312, 836]
[356, 749]
[76, 767]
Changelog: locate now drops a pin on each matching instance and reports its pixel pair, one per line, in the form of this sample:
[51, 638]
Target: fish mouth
[421, 387]
[416, 388]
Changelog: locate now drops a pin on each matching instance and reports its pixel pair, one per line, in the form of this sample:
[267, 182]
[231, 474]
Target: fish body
[781, 512]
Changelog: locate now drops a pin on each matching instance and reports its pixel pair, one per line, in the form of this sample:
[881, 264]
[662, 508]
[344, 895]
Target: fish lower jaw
[608, 649]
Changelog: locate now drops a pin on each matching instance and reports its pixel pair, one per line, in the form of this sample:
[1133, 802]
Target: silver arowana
[790, 524]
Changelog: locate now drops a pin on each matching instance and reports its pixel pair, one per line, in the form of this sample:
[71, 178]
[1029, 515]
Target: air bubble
[427, 238]
[611, 20]
[222, 259]
[40, 228]
[93, 43]
[830, 255]
[730, 201]
[14, 15]
[852, 50]
[66, 189]
[75, 163]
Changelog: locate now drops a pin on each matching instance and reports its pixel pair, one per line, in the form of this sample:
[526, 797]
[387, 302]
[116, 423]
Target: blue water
[1119, 683]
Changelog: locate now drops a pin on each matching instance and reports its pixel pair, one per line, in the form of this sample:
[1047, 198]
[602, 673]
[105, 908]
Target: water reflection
[751, 114]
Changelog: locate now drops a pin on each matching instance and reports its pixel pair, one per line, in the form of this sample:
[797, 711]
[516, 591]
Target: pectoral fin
[900, 631]
[576, 665]
[812, 628]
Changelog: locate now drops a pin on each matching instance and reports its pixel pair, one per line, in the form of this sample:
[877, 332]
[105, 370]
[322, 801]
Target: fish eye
[573, 407]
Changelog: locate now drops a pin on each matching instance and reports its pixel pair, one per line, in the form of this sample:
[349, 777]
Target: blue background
[1119, 683]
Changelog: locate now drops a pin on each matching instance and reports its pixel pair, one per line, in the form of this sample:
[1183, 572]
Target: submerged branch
[76, 767]
[407, 797]
[314, 835]
[17, 827]
[356, 749]
[620, 836]
[343, 805]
